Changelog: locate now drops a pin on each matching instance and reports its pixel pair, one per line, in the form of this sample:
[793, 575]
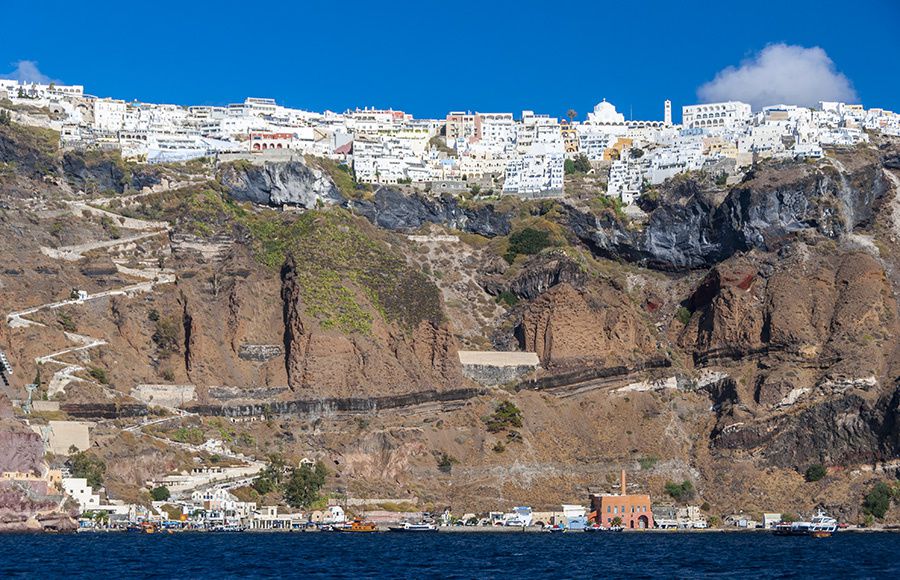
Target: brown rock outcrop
[388, 360]
[599, 324]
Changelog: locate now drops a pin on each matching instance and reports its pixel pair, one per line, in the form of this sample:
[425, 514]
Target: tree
[815, 472]
[616, 521]
[270, 478]
[302, 488]
[878, 501]
[571, 114]
[683, 491]
[569, 166]
[582, 164]
[5, 117]
[91, 468]
[160, 493]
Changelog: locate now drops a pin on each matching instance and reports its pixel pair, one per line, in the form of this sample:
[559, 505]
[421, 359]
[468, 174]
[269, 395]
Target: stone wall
[260, 352]
[164, 395]
[491, 368]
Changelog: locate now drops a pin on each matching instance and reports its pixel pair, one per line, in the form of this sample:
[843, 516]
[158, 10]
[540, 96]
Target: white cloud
[781, 74]
[27, 71]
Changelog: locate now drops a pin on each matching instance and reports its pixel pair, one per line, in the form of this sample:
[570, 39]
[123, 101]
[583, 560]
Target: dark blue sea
[449, 555]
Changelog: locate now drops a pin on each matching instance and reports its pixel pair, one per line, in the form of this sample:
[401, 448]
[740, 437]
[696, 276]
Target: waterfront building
[633, 510]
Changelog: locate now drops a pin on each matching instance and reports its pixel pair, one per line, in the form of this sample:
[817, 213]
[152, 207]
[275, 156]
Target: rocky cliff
[278, 183]
[393, 210]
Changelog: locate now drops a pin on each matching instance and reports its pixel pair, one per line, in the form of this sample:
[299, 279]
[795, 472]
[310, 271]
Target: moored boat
[358, 526]
[415, 528]
[599, 528]
[820, 526]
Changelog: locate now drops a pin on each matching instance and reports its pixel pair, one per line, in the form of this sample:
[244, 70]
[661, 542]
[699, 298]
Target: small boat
[417, 528]
[820, 526]
[358, 526]
[149, 528]
[555, 529]
[599, 528]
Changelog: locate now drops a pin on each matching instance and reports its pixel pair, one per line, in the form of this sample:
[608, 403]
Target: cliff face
[22, 449]
[393, 210]
[822, 326]
[598, 325]
[690, 229]
[385, 360]
[280, 183]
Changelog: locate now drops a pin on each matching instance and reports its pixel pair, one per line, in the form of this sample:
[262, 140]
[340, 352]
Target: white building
[78, 489]
[109, 114]
[605, 113]
[726, 115]
[538, 173]
[496, 130]
[625, 181]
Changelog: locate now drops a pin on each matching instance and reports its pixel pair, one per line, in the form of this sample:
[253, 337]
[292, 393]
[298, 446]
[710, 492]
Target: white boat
[820, 526]
[419, 527]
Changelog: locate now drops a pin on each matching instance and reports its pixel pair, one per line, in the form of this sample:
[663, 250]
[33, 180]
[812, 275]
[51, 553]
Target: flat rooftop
[495, 358]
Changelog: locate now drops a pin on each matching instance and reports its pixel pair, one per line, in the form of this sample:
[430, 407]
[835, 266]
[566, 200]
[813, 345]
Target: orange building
[633, 510]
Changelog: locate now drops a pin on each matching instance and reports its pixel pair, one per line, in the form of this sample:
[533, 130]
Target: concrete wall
[60, 436]
[164, 395]
[492, 368]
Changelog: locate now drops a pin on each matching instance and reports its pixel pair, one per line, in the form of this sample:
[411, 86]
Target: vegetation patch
[683, 491]
[527, 241]
[505, 416]
[815, 472]
[88, 466]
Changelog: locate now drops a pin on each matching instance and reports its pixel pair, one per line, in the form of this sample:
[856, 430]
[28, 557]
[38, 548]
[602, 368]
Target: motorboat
[820, 526]
[358, 526]
[414, 528]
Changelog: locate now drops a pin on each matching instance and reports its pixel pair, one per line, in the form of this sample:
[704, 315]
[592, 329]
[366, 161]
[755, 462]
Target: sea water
[448, 555]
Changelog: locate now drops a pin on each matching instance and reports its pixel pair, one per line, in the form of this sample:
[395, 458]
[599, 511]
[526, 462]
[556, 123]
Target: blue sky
[429, 57]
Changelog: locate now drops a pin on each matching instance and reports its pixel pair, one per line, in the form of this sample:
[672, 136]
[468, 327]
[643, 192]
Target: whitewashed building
[538, 173]
[727, 115]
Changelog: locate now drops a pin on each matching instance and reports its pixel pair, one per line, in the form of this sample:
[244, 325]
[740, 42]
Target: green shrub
[505, 416]
[878, 501]
[99, 375]
[90, 467]
[167, 334]
[815, 472]
[445, 462]
[508, 298]
[683, 315]
[683, 491]
[527, 241]
[192, 435]
[65, 321]
[160, 493]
